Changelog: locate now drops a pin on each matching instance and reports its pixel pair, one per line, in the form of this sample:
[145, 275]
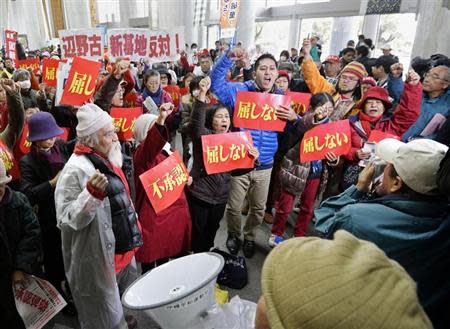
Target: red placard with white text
[165, 182]
[80, 86]
[330, 137]
[257, 111]
[226, 152]
[33, 63]
[299, 101]
[10, 38]
[124, 119]
[174, 92]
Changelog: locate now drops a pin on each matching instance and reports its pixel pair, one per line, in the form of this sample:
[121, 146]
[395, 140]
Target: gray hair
[21, 74]
[89, 140]
[447, 75]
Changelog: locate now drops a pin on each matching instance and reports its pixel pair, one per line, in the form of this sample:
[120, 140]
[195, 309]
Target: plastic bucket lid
[173, 281]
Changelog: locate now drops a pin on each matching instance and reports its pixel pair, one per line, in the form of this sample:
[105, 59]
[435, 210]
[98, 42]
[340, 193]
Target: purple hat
[42, 126]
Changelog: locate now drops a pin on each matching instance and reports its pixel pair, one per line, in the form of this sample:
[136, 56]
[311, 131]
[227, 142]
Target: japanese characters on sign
[257, 111]
[32, 63]
[49, 70]
[10, 38]
[174, 92]
[86, 43]
[80, 86]
[159, 46]
[124, 120]
[165, 182]
[226, 152]
[331, 137]
[378, 135]
[299, 101]
[229, 12]
[6, 156]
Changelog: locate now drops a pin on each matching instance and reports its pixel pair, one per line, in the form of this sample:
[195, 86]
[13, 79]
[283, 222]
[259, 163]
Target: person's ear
[254, 75]
[397, 184]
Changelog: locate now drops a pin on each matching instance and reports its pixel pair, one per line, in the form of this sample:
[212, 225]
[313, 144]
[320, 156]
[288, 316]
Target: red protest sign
[24, 144]
[10, 44]
[165, 182]
[80, 86]
[124, 119]
[49, 68]
[6, 156]
[174, 92]
[33, 63]
[330, 137]
[225, 152]
[257, 111]
[378, 135]
[65, 134]
[299, 101]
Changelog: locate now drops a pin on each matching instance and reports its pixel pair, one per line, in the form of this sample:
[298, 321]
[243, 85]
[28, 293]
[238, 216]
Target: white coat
[88, 248]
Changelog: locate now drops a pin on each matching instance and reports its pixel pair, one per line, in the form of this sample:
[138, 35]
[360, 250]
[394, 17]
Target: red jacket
[405, 114]
[168, 233]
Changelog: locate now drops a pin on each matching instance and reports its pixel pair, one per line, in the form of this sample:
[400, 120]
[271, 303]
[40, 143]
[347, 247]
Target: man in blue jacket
[410, 222]
[252, 183]
[435, 105]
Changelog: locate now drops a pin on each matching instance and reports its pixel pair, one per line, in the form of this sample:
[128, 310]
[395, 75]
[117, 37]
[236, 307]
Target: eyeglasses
[434, 76]
[347, 78]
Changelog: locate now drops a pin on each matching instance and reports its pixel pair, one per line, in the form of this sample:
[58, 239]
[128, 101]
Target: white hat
[91, 118]
[416, 162]
[141, 126]
[386, 46]
[4, 177]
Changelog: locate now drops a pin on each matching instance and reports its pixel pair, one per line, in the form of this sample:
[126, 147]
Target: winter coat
[212, 189]
[88, 247]
[413, 232]
[318, 84]
[265, 141]
[405, 114]
[185, 126]
[167, 233]
[20, 249]
[429, 108]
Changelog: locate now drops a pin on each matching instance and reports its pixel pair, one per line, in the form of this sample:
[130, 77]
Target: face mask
[283, 58]
[194, 50]
[26, 84]
[195, 93]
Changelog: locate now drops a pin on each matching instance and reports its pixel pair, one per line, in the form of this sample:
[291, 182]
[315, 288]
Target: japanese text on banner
[82, 43]
[10, 44]
[165, 182]
[331, 137]
[258, 111]
[226, 152]
[80, 85]
[299, 101]
[49, 70]
[229, 13]
[25, 64]
[124, 120]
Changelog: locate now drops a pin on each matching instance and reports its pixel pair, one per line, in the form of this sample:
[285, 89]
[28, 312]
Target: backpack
[234, 273]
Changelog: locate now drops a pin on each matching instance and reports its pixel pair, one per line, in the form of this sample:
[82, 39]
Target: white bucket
[177, 293]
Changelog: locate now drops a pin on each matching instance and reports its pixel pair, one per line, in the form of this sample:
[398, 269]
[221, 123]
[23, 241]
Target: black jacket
[212, 189]
[34, 183]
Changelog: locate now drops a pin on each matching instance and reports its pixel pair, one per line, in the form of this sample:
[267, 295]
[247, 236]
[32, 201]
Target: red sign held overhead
[33, 63]
[80, 86]
[165, 182]
[299, 101]
[10, 44]
[124, 119]
[49, 69]
[330, 137]
[257, 111]
[226, 152]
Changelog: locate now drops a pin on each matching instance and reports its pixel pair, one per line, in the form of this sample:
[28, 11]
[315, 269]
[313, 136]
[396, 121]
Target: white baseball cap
[416, 162]
[386, 47]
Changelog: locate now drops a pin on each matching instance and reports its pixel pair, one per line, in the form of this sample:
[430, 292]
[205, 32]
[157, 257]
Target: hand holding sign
[286, 113]
[253, 152]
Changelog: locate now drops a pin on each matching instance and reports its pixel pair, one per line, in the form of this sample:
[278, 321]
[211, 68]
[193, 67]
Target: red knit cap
[284, 73]
[355, 68]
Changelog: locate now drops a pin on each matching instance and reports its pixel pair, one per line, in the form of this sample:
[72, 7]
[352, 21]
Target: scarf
[157, 96]
[368, 122]
[51, 157]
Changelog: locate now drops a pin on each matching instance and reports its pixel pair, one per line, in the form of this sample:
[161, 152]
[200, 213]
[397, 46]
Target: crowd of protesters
[76, 213]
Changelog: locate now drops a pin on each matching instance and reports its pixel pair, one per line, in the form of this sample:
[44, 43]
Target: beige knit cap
[345, 283]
